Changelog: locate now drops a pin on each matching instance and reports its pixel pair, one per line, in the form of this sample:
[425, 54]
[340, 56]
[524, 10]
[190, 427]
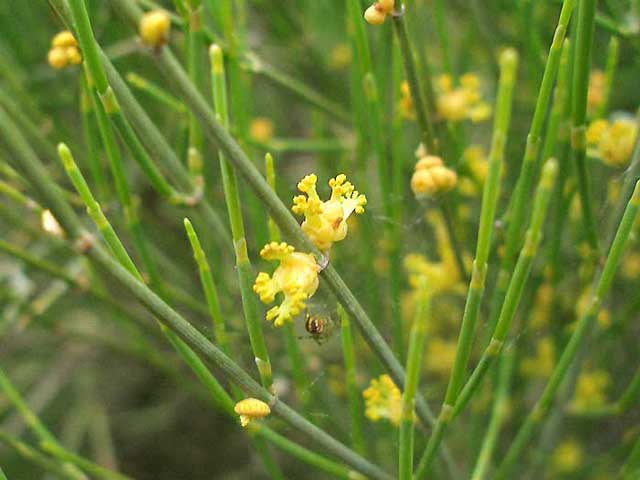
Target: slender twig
[354, 398]
[609, 75]
[520, 198]
[232, 197]
[498, 414]
[417, 341]
[508, 70]
[578, 337]
[154, 91]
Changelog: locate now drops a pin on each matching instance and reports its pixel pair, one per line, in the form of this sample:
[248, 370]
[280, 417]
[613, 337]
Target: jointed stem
[601, 287]
[245, 271]
[508, 69]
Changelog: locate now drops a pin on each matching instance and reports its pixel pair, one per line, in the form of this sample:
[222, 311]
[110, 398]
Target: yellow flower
[431, 177]
[261, 129]
[326, 222]
[440, 356]
[595, 97]
[567, 457]
[541, 364]
[377, 13]
[250, 409]
[612, 142]
[64, 51]
[590, 390]
[296, 278]
[542, 307]
[463, 102]
[154, 28]
[383, 399]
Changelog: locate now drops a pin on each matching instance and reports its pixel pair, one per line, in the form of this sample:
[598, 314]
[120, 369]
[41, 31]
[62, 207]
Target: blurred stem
[443, 35]
[508, 69]
[498, 414]
[37, 458]
[195, 46]
[580, 87]
[354, 397]
[520, 199]
[33, 421]
[96, 471]
[230, 185]
[631, 467]
[578, 337]
[609, 75]
[417, 340]
[155, 92]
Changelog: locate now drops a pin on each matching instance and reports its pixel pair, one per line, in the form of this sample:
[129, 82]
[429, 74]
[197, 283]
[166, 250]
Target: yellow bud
[431, 177]
[386, 6]
[374, 16]
[154, 28]
[57, 58]
[64, 39]
[261, 129]
[250, 409]
[73, 55]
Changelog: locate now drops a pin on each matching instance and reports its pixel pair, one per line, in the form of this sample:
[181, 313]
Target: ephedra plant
[319, 239]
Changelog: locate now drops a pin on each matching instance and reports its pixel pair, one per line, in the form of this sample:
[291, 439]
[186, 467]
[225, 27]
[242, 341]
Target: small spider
[319, 327]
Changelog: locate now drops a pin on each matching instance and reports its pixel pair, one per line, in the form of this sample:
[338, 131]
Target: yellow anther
[296, 278]
[326, 221]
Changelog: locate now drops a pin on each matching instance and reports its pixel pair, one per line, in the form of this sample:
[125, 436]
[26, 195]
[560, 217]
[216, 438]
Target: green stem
[209, 287]
[155, 92]
[517, 209]
[88, 466]
[417, 342]
[423, 116]
[580, 87]
[508, 68]
[230, 185]
[512, 299]
[91, 139]
[32, 455]
[609, 74]
[578, 337]
[354, 398]
[631, 467]
[498, 414]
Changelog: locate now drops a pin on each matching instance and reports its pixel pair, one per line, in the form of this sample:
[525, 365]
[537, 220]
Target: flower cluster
[377, 13]
[296, 278]
[154, 28]
[64, 51]
[612, 142]
[440, 356]
[383, 400]
[250, 409]
[430, 176]
[456, 104]
[326, 222]
[475, 170]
